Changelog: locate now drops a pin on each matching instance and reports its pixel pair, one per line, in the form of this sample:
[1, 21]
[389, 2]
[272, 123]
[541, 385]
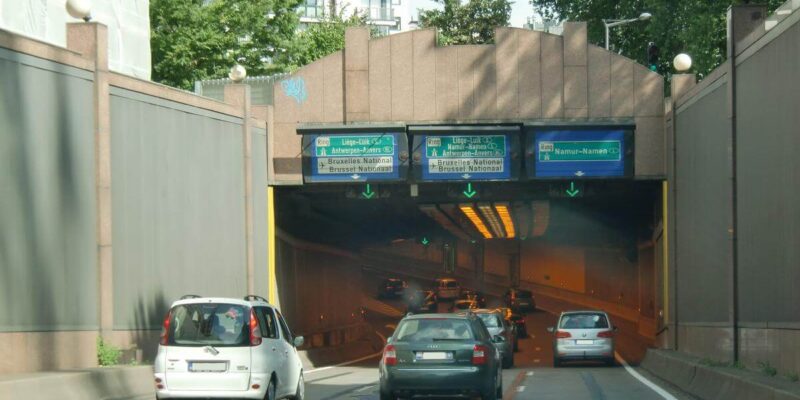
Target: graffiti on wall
[295, 88]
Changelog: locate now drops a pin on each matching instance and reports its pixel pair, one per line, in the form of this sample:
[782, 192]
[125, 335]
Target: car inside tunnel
[594, 250]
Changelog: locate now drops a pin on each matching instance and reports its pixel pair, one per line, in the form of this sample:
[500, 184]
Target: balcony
[378, 15]
[310, 13]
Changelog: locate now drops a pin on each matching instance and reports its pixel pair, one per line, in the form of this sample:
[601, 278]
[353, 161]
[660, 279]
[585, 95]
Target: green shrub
[767, 369]
[792, 376]
[107, 354]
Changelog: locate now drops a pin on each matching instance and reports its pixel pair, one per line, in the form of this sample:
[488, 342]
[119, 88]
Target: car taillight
[562, 335]
[389, 355]
[165, 329]
[255, 331]
[479, 354]
[605, 334]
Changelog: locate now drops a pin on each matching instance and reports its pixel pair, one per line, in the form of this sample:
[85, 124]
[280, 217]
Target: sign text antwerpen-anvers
[468, 154]
[362, 154]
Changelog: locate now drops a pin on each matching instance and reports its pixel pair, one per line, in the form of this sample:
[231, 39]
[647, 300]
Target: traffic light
[652, 56]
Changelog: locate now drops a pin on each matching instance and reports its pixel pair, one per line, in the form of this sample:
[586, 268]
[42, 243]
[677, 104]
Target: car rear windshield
[433, 329]
[524, 294]
[491, 320]
[451, 284]
[584, 321]
[215, 324]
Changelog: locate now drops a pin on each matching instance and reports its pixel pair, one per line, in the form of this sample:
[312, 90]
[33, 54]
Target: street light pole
[610, 23]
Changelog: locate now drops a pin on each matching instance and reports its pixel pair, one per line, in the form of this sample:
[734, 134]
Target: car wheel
[611, 362]
[556, 362]
[490, 393]
[500, 387]
[271, 395]
[300, 392]
[508, 361]
[386, 394]
[516, 344]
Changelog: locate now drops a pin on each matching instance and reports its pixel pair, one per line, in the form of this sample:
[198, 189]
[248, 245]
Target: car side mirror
[551, 329]
[298, 341]
[498, 339]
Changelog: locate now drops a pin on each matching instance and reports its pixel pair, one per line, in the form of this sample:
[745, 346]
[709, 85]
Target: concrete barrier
[710, 382]
[98, 383]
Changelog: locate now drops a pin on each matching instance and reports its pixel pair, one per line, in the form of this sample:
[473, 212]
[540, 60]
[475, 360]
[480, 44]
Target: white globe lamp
[682, 62]
[238, 73]
[80, 9]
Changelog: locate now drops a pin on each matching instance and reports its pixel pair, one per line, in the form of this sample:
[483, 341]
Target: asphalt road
[533, 376]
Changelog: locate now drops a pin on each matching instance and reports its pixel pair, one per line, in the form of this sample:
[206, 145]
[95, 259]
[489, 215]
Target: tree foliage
[325, 37]
[695, 27]
[472, 22]
[201, 39]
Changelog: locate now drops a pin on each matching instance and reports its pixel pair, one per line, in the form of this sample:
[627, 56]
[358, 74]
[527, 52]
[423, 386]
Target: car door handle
[273, 349]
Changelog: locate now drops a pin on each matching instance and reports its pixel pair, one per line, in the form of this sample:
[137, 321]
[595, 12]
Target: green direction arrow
[425, 241]
[572, 192]
[469, 192]
[368, 194]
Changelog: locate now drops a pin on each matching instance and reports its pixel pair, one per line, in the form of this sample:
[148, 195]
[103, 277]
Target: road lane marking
[663, 393]
[328, 377]
[513, 389]
[529, 373]
[520, 389]
[378, 354]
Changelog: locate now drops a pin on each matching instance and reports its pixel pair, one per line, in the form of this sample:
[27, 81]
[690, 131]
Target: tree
[201, 39]
[325, 37]
[470, 23]
[695, 27]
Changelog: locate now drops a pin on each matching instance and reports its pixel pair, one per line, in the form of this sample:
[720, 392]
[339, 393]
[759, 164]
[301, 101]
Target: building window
[311, 9]
[396, 2]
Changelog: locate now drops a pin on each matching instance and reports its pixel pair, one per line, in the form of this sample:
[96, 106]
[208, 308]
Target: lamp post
[610, 23]
[682, 62]
[80, 9]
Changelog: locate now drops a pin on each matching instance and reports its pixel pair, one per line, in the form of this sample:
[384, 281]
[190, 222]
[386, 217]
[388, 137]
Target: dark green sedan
[441, 355]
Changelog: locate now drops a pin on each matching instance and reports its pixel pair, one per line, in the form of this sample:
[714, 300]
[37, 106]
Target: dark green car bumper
[436, 381]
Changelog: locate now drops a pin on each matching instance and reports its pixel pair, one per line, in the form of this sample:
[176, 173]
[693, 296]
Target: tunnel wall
[766, 219]
[117, 196]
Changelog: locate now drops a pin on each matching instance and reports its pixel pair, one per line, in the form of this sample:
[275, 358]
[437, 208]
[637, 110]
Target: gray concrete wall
[47, 202]
[177, 206]
[764, 226]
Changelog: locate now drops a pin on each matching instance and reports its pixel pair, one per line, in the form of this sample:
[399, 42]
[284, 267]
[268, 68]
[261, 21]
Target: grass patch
[767, 369]
[792, 377]
[107, 354]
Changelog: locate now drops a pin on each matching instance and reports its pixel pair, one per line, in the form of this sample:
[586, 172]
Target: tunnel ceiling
[618, 212]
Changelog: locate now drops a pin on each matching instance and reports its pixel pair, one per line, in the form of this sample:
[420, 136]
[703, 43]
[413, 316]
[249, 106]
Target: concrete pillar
[91, 41]
[576, 81]
[356, 74]
[680, 85]
[239, 95]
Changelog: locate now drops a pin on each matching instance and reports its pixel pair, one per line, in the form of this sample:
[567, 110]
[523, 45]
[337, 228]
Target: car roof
[437, 316]
[487, 311]
[584, 312]
[225, 300]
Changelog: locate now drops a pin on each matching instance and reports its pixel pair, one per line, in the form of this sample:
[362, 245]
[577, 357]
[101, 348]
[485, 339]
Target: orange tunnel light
[469, 212]
[505, 217]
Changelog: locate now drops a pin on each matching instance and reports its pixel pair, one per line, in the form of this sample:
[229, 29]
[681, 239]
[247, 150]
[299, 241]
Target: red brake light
[165, 329]
[389, 355]
[255, 331]
[605, 334]
[479, 354]
[562, 335]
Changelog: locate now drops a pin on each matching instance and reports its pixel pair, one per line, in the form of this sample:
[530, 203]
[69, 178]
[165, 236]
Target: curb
[98, 383]
[706, 382]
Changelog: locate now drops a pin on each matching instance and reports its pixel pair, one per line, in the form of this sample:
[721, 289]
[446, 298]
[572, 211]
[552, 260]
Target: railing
[377, 13]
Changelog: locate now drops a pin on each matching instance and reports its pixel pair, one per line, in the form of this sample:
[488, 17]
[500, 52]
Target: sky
[520, 10]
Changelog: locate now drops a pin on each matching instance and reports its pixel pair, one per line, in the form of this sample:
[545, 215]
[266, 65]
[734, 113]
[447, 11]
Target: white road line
[520, 389]
[383, 338]
[530, 373]
[663, 393]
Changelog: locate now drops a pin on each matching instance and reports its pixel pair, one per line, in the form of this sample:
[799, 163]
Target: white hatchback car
[227, 348]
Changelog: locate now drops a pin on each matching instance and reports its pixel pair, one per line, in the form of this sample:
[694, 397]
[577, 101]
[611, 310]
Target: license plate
[208, 366]
[434, 355]
[581, 341]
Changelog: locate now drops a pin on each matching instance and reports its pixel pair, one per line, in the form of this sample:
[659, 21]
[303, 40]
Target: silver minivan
[214, 347]
[583, 335]
[447, 289]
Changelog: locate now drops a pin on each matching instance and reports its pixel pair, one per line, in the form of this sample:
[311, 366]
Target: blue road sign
[466, 157]
[579, 153]
[354, 158]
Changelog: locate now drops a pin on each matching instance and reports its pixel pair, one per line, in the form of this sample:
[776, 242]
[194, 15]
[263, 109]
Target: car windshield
[490, 320]
[433, 329]
[215, 324]
[584, 321]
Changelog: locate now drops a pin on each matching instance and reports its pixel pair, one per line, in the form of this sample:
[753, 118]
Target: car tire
[300, 392]
[516, 345]
[611, 362]
[271, 389]
[508, 362]
[386, 395]
[499, 393]
[556, 362]
[490, 393]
